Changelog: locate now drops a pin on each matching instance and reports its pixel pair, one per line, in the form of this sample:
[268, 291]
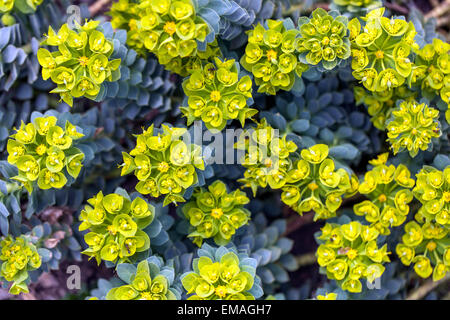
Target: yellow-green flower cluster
[270, 56]
[163, 163]
[215, 213]
[115, 226]
[381, 50]
[25, 6]
[349, 253]
[220, 280]
[324, 39]
[18, 256]
[426, 240]
[266, 157]
[43, 151]
[313, 183]
[143, 287]
[426, 244]
[355, 7]
[171, 29]
[81, 63]
[412, 127]
[380, 104]
[431, 70]
[125, 14]
[327, 296]
[216, 94]
[433, 191]
[389, 191]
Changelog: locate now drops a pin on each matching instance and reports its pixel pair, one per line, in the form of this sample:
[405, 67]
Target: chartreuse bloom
[149, 282]
[271, 57]
[381, 104]
[215, 213]
[22, 6]
[313, 183]
[412, 127]
[433, 191]
[163, 163]
[82, 62]
[381, 50]
[328, 296]
[324, 39]
[216, 93]
[18, 257]
[171, 30]
[43, 151]
[355, 8]
[115, 224]
[426, 245]
[221, 275]
[389, 191]
[349, 253]
[426, 241]
[125, 14]
[265, 157]
[431, 70]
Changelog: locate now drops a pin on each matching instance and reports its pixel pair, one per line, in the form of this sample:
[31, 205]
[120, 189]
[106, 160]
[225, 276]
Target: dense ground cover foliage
[234, 149]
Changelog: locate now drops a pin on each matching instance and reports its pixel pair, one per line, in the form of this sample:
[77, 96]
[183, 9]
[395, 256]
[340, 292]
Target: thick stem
[439, 10]
[444, 21]
[306, 259]
[297, 222]
[396, 7]
[425, 288]
[98, 6]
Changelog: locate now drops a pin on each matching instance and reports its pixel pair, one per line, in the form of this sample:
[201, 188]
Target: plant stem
[396, 7]
[439, 10]
[98, 6]
[306, 259]
[445, 21]
[297, 222]
[425, 288]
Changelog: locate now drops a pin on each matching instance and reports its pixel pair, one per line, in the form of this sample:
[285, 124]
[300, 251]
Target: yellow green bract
[381, 50]
[425, 244]
[433, 191]
[266, 157]
[412, 127]
[220, 280]
[324, 39]
[328, 296]
[115, 224]
[170, 29]
[163, 163]
[24, 6]
[349, 253]
[313, 183]
[125, 14]
[216, 94]
[18, 256]
[143, 286]
[215, 213]
[42, 151]
[81, 63]
[431, 70]
[381, 104]
[389, 191]
[356, 7]
[271, 57]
